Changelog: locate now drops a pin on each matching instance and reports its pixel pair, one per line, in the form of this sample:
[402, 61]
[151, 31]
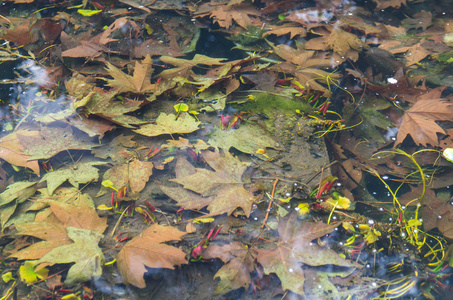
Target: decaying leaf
[247, 138]
[295, 252]
[133, 175]
[147, 249]
[169, 124]
[225, 14]
[117, 149]
[84, 252]
[15, 194]
[239, 263]
[139, 83]
[224, 184]
[77, 174]
[12, 150]
[48, 141]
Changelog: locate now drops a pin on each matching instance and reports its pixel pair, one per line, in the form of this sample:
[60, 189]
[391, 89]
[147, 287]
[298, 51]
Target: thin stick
[118, 222]
[270, 203]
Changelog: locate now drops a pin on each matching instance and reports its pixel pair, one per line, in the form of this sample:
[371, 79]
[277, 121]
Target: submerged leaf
[169, 124]
[224, 186]
[148, 250]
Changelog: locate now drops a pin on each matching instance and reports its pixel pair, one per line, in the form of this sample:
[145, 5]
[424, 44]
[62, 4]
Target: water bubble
[295, 184]
[403, 234]
[385, 177]
[439, 216]
[421, 220]
[319, 286]
[403, 207]
[374, 284]
[381, 209]
[367, 266]
[255, 218]
[390, 219]
[341, 243]
[334, 218]
[371, 222]
[297, 208]
[288, 207]
[374, 250]
[288, 194]
[290, 270]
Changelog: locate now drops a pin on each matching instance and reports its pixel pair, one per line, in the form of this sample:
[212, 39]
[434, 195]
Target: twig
[270, 203]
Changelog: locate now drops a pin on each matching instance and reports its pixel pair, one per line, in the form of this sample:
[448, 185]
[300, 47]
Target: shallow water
[229, 149]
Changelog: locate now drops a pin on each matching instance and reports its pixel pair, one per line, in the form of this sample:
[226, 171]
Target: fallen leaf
[184, 66]
[148, 250]
[79, 173]
[169, 124]
[28, 273]
[116, 148]
[247, 138]
[420, 121]
[84, 252]
[225, 14]
[15, 194]
[49, 141]
[139, 83]
[239, 263]
[133, 175]
[11, 150]
[295, 251]
[224, 184]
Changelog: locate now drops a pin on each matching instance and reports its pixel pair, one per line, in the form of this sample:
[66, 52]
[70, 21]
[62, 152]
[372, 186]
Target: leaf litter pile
[226, 149]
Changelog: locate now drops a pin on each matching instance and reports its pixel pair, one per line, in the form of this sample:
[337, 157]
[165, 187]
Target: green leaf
[28, 273]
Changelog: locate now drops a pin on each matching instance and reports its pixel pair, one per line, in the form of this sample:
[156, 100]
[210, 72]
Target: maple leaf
[116, 148]
[133, 175]
[224, 184]
[383, 4]
[53, 229]
[346, 44]
[420, 121]
[49, 141]
[77, 174]
[148, 250]
[84, 252]
[12, 150]
[247, 138]
[239, 263]
[184, 66]
[15, 194]
[225, 14]
[140, 83]
[295, 250]
[169, 124]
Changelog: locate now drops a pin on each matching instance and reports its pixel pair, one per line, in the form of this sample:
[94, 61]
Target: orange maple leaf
[147, 249]
[420, 121]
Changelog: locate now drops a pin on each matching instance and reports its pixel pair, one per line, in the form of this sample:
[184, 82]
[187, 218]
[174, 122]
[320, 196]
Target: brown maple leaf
[383, 4]
[184, 66]
[295, 250]
[139, 83]
[420, 121]
[239, 263]
[147, 249]
[224, 184]
[225, 14]
[345, 44]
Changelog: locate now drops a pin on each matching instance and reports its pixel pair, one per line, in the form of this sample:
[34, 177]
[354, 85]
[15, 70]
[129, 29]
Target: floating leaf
[169, 124]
